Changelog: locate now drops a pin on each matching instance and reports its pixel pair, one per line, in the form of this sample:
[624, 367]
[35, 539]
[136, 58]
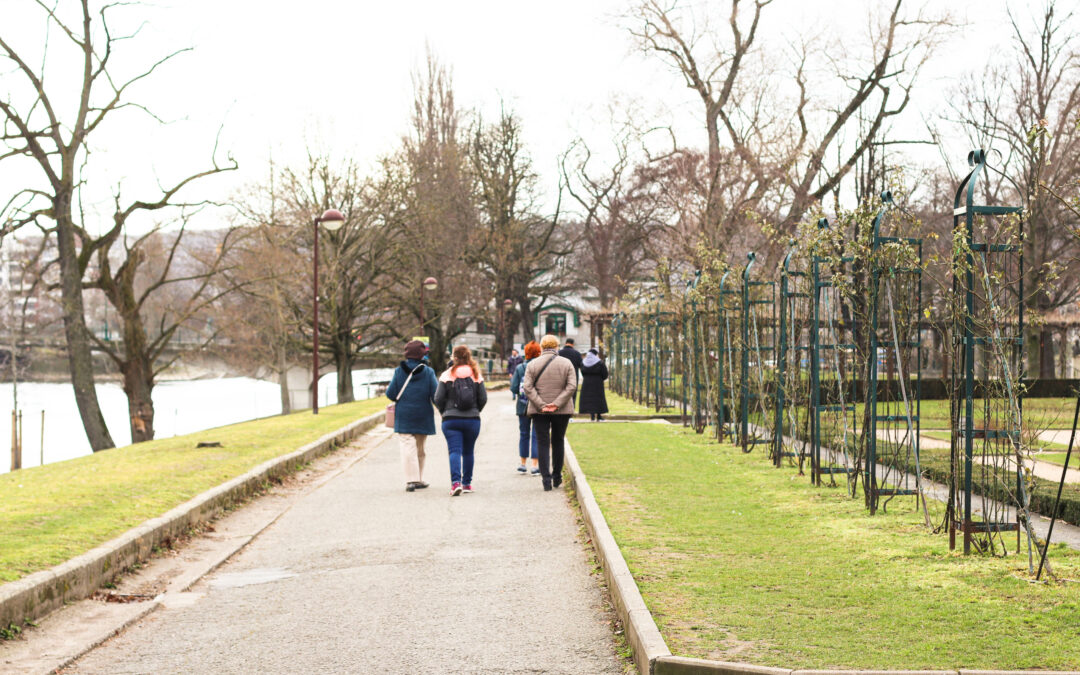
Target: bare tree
[425, 194]
[767, 155]
[355, 260]
[520, 248]
[262, 321]
[150, 266]
[1027, 106]
[622, 212]
[37, 129]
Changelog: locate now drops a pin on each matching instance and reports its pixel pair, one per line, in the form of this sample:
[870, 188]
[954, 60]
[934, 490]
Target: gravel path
[361, 577]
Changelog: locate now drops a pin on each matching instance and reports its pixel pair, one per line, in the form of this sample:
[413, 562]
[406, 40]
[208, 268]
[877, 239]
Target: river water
[180, 407]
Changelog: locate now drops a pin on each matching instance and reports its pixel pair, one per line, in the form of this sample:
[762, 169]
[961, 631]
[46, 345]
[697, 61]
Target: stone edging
[651, 653]
[34, 596]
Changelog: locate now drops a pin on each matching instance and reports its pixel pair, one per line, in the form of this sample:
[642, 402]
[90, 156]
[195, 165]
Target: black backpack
[463, 391]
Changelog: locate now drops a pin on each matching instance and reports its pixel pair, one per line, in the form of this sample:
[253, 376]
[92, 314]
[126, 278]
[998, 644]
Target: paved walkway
[1045, 470]
[358, 576]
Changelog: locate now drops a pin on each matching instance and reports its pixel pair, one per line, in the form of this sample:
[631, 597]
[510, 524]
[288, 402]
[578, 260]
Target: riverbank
[56, 512]
[181, 407]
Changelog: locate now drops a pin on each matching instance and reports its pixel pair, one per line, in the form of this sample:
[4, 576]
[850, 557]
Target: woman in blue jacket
[413, 389]
[526, 434]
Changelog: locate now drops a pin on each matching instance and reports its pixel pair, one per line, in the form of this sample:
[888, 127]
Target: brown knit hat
[415, 350]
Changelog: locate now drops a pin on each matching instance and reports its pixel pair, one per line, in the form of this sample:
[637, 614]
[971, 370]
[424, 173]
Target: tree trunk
[138, 385]
[1046, 353]
[344, 363]
[437, 345]
[527, 330]
[283, 379]
[80, 362]
[137, 366]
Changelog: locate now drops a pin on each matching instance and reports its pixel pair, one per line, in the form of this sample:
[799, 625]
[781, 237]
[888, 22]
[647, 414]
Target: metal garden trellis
[757, 341]
[834, 399]
[728, 319]
[989, 327]
[792, 380]
[893, 410]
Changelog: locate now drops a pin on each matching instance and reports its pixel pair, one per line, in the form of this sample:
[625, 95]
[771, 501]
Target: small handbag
[390, 408]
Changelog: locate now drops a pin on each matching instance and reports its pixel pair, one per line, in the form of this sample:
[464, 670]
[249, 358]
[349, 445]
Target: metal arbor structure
[757, 354]
[618, 365]
[790, 427]
[894, 397]
[660, 362]
[833, 366]
[697, 351]
[987, 403]
[729, 320]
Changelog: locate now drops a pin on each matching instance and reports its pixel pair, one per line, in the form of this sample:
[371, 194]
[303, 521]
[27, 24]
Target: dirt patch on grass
[713, 642]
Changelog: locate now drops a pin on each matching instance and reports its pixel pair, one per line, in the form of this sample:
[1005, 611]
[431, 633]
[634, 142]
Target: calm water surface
[180, 407]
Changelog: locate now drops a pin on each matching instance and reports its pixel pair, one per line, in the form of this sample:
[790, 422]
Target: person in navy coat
[414, 414]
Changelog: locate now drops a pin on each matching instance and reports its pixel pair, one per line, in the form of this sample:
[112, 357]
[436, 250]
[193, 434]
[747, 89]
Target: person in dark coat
[513, 362]
[569, 351]
[526, 432]
[593, 374]
[414, 416]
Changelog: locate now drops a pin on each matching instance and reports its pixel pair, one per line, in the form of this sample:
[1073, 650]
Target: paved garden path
[359, 576]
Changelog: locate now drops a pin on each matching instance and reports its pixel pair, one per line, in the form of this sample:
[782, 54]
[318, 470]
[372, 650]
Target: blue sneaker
[521, 468]
[535, 471]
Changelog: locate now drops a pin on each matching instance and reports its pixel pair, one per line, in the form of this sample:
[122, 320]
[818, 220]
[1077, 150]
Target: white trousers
[412, 456]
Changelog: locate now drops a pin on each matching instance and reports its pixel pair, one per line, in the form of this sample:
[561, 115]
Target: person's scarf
[591, 360]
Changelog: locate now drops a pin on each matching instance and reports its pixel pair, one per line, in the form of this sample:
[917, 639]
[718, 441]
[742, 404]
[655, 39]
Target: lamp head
[331, 219]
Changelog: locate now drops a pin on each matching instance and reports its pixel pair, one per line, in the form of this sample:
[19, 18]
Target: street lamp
[503, 333]
[332, 220]
[430, 284]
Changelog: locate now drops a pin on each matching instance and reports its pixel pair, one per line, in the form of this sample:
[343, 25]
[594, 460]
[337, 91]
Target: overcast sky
[277, 76]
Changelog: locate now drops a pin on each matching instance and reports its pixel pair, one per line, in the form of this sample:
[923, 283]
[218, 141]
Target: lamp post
[502, 326]
[430, 284]
[332, 220]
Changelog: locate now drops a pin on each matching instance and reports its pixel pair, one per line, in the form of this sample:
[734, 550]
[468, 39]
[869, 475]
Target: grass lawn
[740, 561]
[1039, 413]
[1039, 444]
[618, 405]
[53, 513]
[1059, 458]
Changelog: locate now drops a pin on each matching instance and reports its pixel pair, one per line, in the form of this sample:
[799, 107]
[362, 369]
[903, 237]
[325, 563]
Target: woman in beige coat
[549, 384]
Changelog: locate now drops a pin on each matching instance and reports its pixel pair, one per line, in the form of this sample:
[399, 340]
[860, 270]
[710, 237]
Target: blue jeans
[461, 433]
[525, 426]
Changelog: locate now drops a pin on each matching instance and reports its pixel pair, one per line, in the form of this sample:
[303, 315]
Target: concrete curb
[38, 594]
[641, 631]
[651, 653]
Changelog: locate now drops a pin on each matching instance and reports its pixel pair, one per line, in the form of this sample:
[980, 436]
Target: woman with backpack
[527, 435]
[460, 397]
[412, 389]
[549, 383]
